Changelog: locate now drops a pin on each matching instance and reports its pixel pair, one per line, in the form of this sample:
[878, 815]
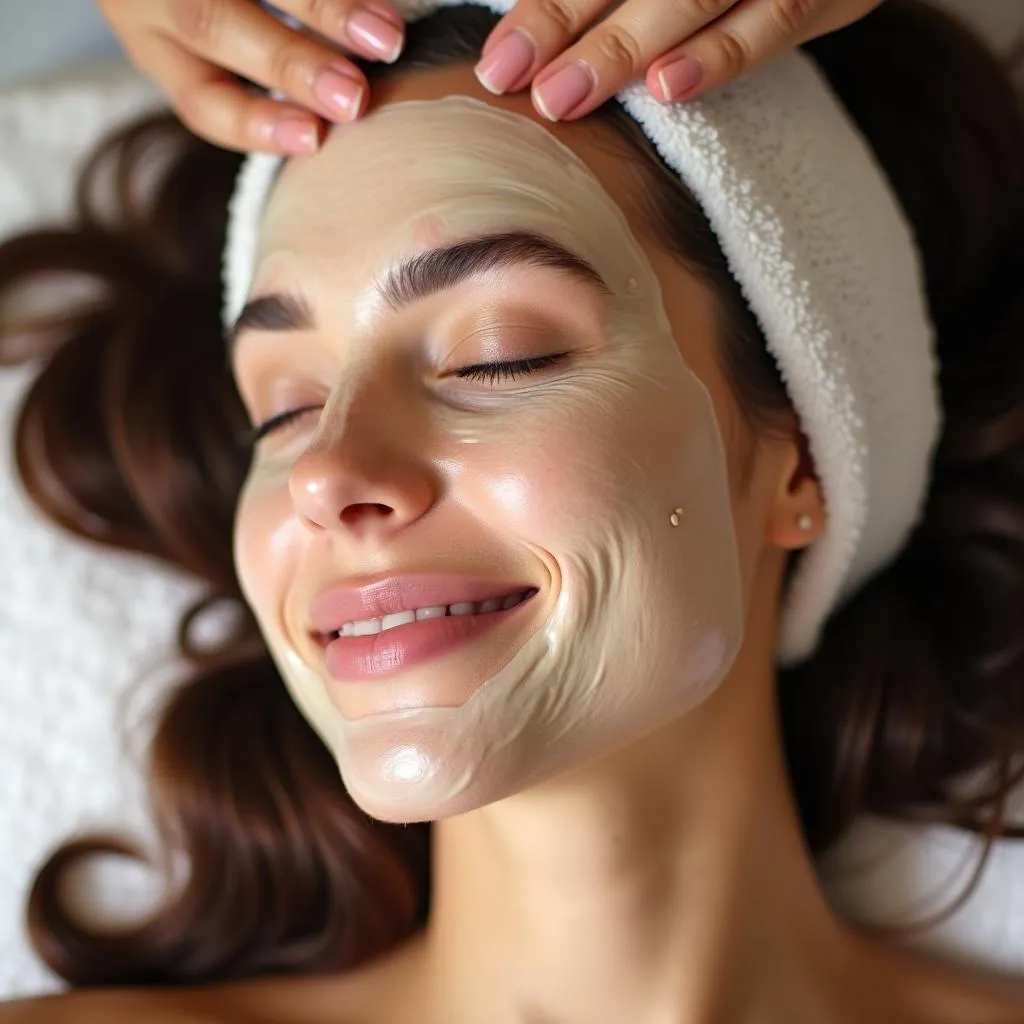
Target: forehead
[690, 306]
[367, 187]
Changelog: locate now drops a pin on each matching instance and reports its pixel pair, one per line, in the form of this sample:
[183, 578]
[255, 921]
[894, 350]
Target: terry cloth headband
[826, 261]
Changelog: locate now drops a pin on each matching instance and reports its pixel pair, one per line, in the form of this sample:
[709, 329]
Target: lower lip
[355, 658]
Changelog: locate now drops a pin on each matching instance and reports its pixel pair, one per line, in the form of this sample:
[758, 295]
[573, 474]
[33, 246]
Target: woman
[526, 376]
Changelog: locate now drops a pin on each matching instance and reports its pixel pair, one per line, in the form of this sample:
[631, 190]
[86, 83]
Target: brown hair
[133, 436]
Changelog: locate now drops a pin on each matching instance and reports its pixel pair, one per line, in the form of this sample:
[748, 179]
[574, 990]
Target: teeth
[367, 627]
[397, 619]
[437, 611]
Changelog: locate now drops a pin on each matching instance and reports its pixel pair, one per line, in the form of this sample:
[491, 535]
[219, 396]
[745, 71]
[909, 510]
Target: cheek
[594, 453]
[537, 492]
[748, 496]
[546, 478]
[265, 546]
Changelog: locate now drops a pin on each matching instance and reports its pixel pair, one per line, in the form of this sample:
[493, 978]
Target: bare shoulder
[992, 999]
[235, 1003]
[382, 991]
[106, 1006]
[939, 991]
[254, 1002]
[378, 993]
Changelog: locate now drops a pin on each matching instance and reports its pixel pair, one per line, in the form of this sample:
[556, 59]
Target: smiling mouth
[375, 649]
[400, 620]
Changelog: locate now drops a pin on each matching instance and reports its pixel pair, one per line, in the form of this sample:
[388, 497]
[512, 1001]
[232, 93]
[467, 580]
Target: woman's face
[441, 233]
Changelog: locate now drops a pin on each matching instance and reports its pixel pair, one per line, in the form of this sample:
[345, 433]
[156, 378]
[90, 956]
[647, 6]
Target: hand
[685, 47]
[191, 47]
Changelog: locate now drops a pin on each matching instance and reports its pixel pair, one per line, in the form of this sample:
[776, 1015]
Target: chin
[408, 808]
[406, 796]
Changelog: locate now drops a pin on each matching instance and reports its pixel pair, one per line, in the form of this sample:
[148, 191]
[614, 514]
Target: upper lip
[385, 595]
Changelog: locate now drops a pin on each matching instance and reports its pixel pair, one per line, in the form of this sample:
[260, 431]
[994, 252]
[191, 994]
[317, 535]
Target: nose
[362, 475]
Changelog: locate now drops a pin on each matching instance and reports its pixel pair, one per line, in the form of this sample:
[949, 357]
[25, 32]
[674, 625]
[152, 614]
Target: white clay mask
[568, 478]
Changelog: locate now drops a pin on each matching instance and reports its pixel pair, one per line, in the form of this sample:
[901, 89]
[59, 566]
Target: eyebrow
[426, 274]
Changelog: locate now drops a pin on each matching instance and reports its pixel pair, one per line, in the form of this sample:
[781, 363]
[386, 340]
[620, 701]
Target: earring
[805, 522]
[674, 518]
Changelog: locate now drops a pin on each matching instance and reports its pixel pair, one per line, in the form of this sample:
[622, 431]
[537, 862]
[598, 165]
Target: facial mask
[575, 472]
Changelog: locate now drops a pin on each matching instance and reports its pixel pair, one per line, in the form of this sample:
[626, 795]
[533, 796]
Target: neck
[667, 883]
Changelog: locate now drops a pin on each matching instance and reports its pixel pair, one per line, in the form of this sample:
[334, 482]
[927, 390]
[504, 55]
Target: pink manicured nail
[564, 91]
[506, 63]
[296, 134]
[373, 35]
[680, 77]
[339, 93]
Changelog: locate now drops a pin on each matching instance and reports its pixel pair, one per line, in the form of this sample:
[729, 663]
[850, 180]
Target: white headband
[827, 263]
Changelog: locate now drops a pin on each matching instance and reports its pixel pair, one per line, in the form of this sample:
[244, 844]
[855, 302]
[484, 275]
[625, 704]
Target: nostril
[354, 513]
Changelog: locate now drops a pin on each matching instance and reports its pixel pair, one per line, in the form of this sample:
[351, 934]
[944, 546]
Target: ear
[797, 515]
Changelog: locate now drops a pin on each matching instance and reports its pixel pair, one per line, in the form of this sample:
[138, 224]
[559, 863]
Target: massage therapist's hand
[193, 49]
[576, 54]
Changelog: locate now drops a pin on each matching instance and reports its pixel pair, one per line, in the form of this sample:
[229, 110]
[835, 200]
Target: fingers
[189, 45]
[610, 55]
[372, 28]
[750, 35]
[213, 104]
[576, 61]
[247, 40]
[529, 36]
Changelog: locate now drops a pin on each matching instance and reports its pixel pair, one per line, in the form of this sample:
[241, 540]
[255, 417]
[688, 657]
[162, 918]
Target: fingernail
[680, 77]
[373, 35]
[339, 93]
[506, 63]
[564, 91]
[296, 134]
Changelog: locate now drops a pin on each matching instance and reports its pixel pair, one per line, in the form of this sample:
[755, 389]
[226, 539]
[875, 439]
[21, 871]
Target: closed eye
[490, 372]
[507, 370]
[282, 419]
